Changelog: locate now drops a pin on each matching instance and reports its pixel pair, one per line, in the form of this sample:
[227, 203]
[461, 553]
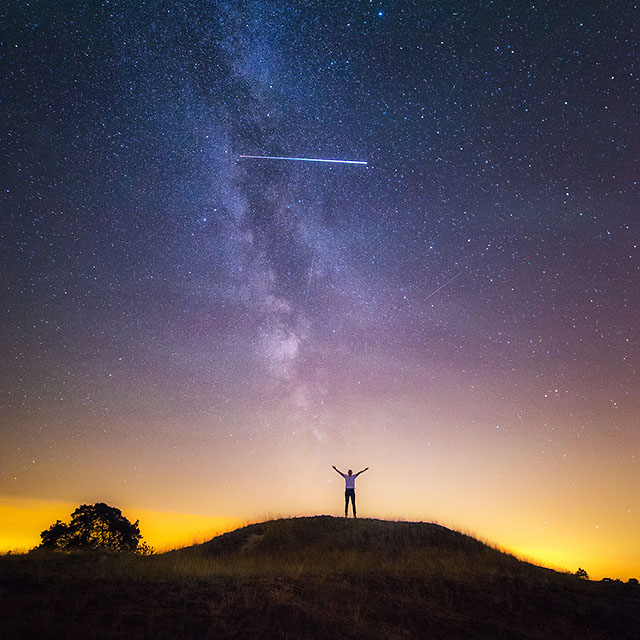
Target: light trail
[305, 159]
[313, 257]
[433, 293]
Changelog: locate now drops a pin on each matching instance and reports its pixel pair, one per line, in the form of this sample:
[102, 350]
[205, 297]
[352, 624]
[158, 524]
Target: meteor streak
[433, 293]
[313, 257]
[305, 159]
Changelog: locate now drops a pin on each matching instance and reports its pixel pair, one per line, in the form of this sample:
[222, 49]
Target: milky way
[184, 330]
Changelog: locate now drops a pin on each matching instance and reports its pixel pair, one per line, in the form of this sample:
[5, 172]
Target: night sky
[188, 332]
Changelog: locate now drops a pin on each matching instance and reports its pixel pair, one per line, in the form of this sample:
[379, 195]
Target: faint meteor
[313, 257]
[433, 293]
[305, 159]
[450, 92]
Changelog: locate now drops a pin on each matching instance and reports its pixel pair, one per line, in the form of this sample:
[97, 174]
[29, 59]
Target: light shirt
[350, 481]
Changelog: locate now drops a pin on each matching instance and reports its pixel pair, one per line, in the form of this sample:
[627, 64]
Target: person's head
[350, 472]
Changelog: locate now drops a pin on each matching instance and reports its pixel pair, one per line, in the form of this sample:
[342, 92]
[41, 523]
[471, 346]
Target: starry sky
[191, 333]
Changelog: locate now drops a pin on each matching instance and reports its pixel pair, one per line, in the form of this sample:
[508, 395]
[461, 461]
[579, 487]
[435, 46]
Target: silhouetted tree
[56, 536]
[582, 574]
[97, 526]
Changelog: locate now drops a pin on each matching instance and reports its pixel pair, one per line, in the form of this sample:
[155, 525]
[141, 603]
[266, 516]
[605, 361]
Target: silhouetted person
[350, 489]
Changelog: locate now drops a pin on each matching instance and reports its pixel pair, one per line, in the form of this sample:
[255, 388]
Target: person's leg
[349, 494]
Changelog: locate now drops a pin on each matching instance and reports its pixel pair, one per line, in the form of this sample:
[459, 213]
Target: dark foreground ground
[316, 577]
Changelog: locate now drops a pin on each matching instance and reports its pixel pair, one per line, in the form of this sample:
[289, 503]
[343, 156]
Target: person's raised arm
[337, 470]
[359, 472]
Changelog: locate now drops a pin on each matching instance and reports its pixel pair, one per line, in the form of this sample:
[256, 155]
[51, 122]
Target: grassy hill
[318, 577]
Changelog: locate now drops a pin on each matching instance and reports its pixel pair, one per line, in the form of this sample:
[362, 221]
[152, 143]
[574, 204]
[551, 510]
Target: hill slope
[318, 577]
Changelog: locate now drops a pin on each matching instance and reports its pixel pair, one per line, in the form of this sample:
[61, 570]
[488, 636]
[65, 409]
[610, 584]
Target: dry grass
[316, 577]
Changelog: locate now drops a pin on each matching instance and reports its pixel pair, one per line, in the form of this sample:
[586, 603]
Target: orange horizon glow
[24, 518]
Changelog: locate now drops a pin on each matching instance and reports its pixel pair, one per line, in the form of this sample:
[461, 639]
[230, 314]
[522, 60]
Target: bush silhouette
[582, 574]
[97, 526]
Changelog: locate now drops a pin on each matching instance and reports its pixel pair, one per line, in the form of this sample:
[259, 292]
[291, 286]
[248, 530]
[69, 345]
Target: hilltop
[315, 577]
[302, 536]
